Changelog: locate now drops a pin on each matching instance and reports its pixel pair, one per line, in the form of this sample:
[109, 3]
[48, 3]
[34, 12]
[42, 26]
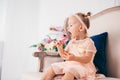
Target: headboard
[109, 21]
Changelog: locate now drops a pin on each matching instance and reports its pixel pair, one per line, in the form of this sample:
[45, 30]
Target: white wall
[1, 51]
[2, 30]
[21, 30]
[54, 12]
[2, 19]
[27, 22]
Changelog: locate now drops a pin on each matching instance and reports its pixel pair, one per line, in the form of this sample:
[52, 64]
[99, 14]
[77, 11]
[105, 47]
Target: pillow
[100, 41]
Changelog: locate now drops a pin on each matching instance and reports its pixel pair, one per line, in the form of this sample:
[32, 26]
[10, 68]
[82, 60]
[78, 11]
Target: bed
[106, 21]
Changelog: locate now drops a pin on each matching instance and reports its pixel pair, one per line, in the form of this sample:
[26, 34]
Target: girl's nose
[68, 28]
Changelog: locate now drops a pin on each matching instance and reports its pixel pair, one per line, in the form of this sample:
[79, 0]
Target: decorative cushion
[100, 41]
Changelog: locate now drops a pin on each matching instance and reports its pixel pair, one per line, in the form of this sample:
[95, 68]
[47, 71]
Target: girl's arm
[70, 57]
[84, 59]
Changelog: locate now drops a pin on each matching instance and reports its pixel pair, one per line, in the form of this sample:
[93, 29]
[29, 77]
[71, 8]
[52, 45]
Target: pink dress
[80, 70]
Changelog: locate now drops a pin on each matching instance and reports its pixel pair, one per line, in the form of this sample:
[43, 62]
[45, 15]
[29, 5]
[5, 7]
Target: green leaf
[56, 49]
[34, 45]
[64, 46]
[44, 49]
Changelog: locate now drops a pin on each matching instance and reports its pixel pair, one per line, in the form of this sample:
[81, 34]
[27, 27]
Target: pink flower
[48, 40]
[64, 38]
[40, 48]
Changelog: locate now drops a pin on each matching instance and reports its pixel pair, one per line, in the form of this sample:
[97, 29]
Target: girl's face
[73, 27]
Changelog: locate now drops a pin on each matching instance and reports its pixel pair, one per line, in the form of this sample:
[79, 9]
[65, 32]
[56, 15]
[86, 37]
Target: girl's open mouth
[69, 33]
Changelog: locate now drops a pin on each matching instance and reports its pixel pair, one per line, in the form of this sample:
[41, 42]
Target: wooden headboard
[109, 21]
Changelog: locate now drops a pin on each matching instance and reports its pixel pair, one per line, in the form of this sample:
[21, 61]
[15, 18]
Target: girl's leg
[68, 76]
[49, 74]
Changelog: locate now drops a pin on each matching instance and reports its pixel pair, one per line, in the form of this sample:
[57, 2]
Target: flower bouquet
[48, 44]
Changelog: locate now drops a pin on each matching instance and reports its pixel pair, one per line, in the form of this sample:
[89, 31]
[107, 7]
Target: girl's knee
[68, 76]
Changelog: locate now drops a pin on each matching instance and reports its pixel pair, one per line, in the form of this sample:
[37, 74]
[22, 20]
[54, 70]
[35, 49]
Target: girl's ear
[81, 28]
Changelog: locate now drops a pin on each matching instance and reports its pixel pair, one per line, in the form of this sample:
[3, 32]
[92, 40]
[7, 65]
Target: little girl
[79, 53]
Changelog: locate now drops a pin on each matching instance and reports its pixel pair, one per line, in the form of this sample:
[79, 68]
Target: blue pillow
[100, 41]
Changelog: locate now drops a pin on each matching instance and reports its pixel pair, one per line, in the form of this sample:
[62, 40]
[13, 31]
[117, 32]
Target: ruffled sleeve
[91, 47]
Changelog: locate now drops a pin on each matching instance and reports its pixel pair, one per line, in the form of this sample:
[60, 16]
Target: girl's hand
[59, 44]
[61, 51]
[64, 54]
[70, 57]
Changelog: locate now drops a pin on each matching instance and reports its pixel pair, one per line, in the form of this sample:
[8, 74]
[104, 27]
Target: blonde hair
[83, 17]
